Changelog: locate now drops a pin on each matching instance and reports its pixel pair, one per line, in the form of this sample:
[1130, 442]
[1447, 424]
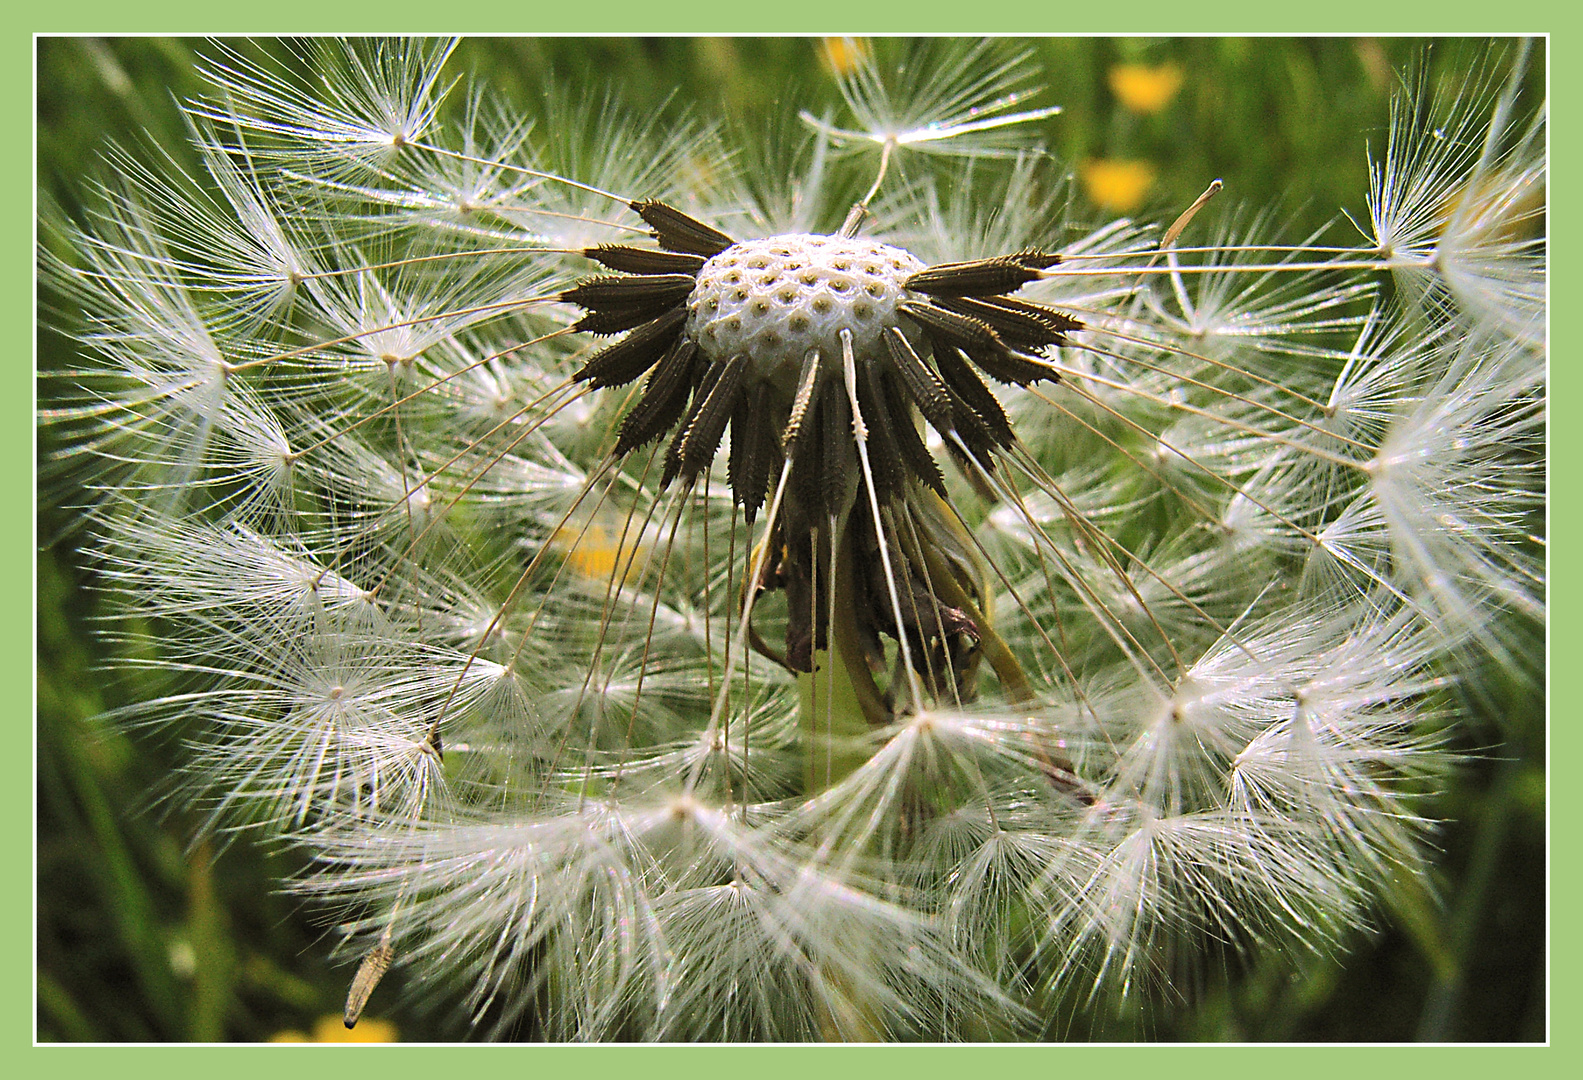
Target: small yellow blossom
[331, 1029]
[596, 550]
[843, 54]
[1145, 89]
[1116, 185]
[1499, 208]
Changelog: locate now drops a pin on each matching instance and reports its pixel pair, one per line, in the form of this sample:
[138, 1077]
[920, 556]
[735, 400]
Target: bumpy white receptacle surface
[775, 299]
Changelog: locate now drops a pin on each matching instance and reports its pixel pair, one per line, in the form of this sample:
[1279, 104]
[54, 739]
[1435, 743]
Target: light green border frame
[803, 16]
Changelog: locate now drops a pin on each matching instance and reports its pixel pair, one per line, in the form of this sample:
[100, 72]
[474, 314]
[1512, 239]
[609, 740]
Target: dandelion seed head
[775, 300]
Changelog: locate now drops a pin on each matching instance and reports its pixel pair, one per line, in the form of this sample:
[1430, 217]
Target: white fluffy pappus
[1079, 603]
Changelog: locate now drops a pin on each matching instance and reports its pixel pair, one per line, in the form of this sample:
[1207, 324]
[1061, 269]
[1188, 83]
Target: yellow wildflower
[843, 54]
[1117, 185]
[1145, 89]
[331, 1029]
[596, 550]
[1499, 208]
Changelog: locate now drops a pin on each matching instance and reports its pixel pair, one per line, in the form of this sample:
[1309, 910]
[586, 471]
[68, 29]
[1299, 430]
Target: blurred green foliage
[146, 933]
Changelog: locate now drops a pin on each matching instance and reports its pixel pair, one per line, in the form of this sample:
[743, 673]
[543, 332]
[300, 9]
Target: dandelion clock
[664, 582]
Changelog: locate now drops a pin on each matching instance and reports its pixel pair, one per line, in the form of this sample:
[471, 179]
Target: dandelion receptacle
[667, 583]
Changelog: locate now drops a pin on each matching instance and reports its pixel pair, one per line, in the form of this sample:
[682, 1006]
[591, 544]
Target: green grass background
[143, 934]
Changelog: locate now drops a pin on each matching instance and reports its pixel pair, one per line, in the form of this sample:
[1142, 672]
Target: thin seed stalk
[840, 703]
